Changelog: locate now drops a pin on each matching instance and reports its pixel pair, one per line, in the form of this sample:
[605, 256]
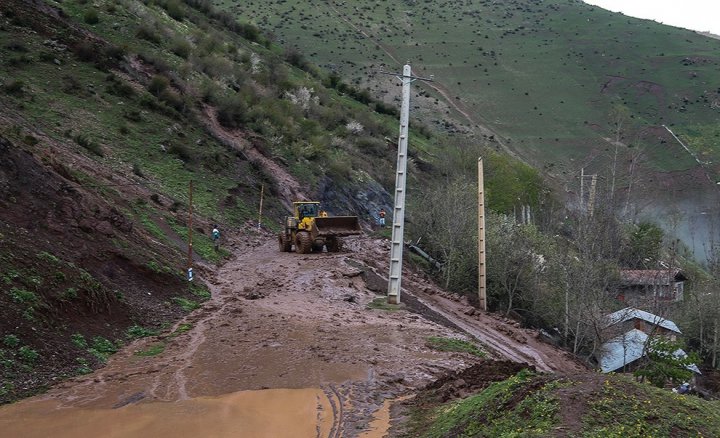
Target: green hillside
[546, 76]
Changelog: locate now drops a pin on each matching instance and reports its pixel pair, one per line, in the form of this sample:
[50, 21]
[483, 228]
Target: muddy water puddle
[268, 413]
[379, 427]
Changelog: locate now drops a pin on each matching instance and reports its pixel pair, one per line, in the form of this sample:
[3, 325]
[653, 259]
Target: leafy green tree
[664, 364]
[643, 246]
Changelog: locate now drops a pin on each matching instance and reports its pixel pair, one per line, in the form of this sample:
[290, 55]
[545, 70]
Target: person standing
[381, 217]
[216, 237]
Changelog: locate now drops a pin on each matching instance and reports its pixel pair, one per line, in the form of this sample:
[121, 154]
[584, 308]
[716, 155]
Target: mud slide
[286, 347]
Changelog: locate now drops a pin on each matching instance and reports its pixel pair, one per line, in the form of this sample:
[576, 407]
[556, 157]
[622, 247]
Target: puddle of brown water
[378, 428]
[268, 413]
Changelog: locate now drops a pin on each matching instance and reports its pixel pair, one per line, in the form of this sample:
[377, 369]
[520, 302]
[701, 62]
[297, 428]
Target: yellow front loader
[311, 229]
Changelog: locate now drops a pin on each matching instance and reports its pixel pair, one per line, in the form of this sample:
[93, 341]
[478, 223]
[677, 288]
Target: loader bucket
[337, 226]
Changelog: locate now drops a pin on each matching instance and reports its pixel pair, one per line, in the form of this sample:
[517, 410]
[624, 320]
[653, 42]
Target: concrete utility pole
[398, 228]
[482, 294]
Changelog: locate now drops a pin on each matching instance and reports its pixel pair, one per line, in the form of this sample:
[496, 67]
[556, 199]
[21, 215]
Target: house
[628, 331]
[651, 285]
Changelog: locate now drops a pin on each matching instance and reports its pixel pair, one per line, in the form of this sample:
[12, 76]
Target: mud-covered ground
[288, 321]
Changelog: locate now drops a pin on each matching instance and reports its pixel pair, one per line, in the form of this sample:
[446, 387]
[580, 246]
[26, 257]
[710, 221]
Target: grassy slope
[528, 405]
[545, 75]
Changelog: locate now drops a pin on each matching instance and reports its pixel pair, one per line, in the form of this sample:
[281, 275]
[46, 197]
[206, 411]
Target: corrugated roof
[657, 277]
[627, 348]
[622, 350]
[629, 313]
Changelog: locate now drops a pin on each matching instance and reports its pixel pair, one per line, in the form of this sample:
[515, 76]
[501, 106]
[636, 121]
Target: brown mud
[283, 321]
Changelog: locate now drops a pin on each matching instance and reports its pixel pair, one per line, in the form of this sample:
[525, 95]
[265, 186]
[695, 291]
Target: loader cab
[306, 209]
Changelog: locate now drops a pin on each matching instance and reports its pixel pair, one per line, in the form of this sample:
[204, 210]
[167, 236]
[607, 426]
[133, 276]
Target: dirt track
[284, 321]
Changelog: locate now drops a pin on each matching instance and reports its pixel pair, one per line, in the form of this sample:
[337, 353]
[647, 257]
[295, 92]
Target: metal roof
[629, 313]
[655, 277]
[627, 348]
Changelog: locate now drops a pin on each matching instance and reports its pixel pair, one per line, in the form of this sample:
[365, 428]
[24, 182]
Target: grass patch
[185, 304]
[458, 345]
[137, 331]
[152, 350]
[380, 303]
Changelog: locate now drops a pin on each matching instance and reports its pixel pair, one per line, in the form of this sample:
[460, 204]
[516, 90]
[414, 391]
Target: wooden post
[262, 192]
[482, 294]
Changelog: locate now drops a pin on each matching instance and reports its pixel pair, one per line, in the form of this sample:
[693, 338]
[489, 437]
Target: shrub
[11, 341]
[136, 331]
[173, 100]
[181, 47]
[89, 144]
[14, 88]
[175, 10]
[232, 112]
[158, 84]
[137, 170]
[147, 32]
[102, 348]
[182, 152]
[79, 341]
[120, 88]
[91, 17]
[27, 354]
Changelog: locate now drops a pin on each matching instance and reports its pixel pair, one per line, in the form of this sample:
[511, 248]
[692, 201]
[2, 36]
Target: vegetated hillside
[564, 84]
[530, 404]
[108, 111]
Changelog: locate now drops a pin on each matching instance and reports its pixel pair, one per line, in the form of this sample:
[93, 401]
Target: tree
[665, 362]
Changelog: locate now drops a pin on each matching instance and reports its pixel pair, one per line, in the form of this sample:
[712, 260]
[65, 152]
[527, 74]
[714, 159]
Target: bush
[175, 10]
[181, 47]
[89, 144]
[91, 17]
[147, 32]
[27, 354]
[158, 84]
[11, 341]
[173, 100]
[119, 87]
[232, 112]
[15, 88]
[182, 152]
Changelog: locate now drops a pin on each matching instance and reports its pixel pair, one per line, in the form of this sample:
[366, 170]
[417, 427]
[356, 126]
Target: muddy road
[286, 346]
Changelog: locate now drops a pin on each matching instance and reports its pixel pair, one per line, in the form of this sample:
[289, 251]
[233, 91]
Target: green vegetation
[135, 332]
[496, 411]
[546, 77]
[152, 350]
[627, 409]
[531, 405]
[102, 348]
[11, 341]
[380, 303]
[185, 304]
[664, 366]
[459, 345]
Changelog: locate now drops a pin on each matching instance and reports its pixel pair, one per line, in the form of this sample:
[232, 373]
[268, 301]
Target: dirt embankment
[283, 320]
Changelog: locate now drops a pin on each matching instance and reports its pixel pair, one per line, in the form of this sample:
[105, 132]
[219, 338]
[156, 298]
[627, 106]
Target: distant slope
[564, 84]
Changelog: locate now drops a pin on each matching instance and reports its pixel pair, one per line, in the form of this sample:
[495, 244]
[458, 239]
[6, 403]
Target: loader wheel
[317, 247]
[333, 244]
[284, 243]
[303, 242]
